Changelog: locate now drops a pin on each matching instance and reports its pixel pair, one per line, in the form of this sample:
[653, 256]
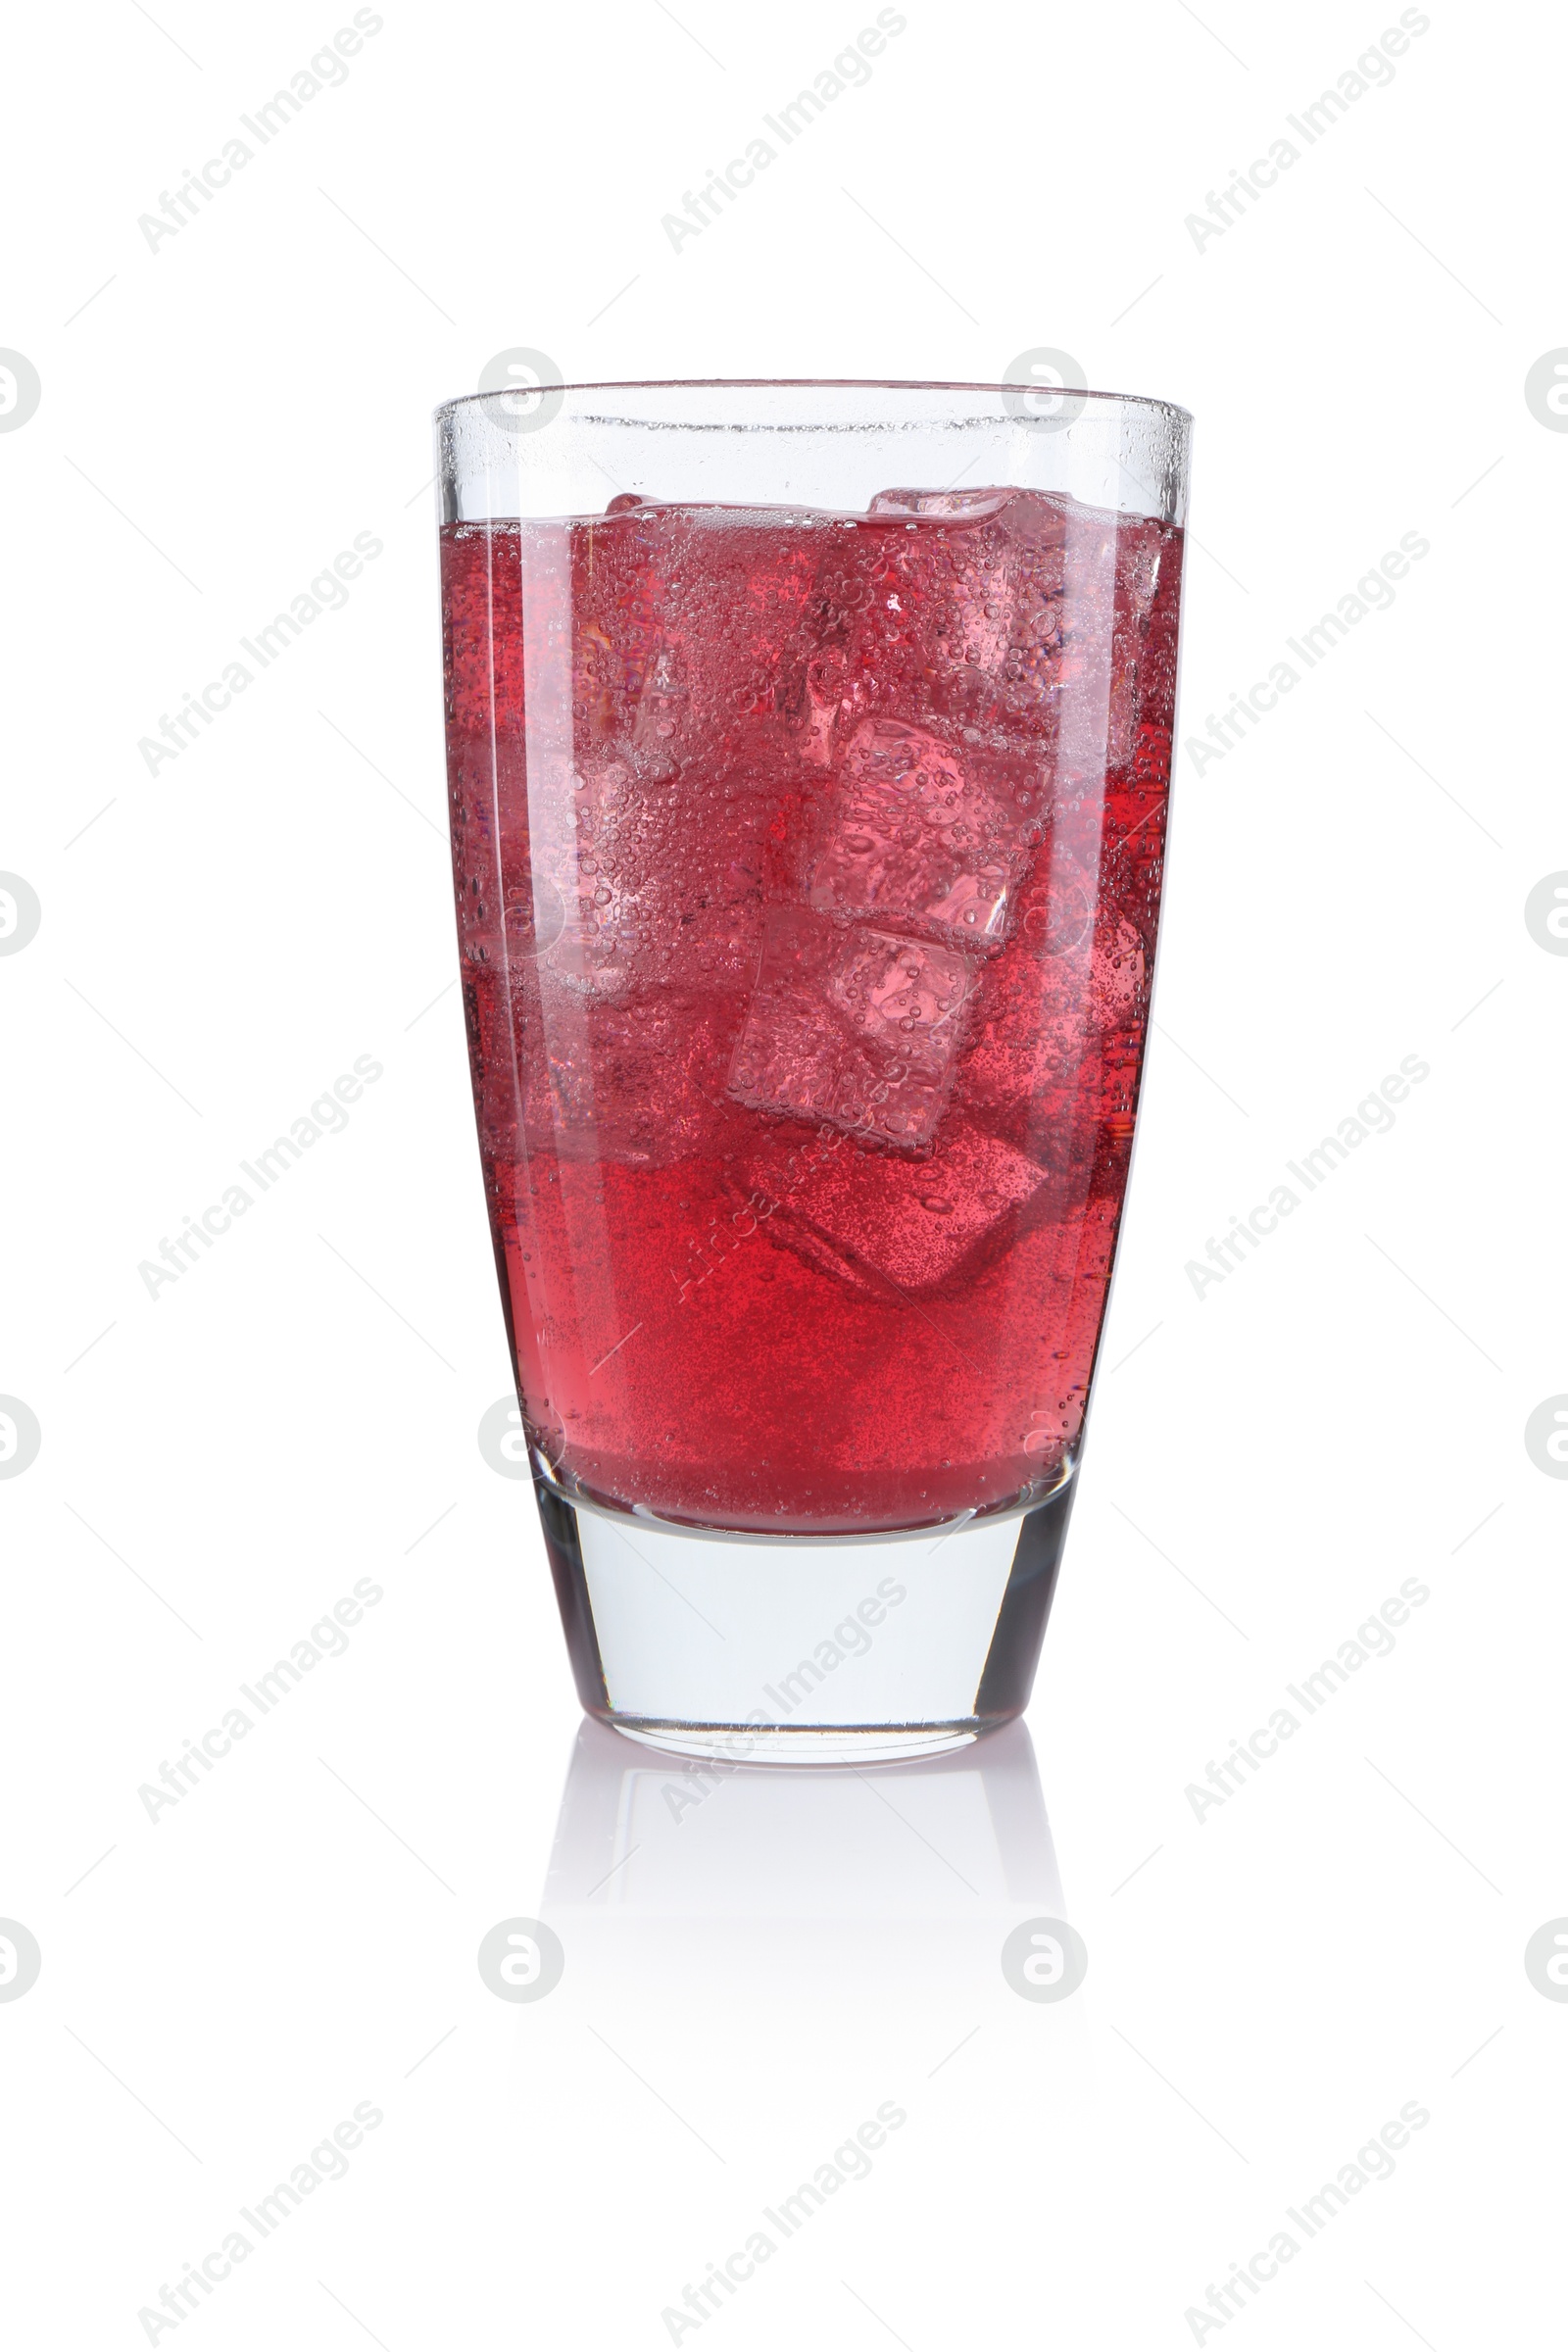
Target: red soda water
[808, 870]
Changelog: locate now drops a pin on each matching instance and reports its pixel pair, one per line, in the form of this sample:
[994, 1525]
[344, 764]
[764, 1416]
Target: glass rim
[815, 383]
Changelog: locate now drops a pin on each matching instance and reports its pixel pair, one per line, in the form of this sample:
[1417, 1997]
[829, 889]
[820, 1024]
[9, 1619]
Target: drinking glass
[809, 750]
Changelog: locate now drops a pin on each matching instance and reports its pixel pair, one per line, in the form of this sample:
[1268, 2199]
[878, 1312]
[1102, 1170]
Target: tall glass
[809, 749]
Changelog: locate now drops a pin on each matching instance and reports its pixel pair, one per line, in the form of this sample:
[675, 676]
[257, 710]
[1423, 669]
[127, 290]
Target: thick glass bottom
[803, 1649]
[799, 1743]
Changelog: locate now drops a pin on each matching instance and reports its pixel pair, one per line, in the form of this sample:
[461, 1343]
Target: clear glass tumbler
[809, 747]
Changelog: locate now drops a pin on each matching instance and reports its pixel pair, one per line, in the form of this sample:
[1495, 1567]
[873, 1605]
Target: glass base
[799, 1743]
[803, 1649]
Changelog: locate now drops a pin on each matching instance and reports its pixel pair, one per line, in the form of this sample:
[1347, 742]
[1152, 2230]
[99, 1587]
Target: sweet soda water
[808, 869]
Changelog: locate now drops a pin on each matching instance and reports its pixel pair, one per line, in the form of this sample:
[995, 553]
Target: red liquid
[808, 873]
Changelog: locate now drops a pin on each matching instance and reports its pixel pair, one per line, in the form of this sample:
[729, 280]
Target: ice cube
[856, 1027]
[876, 1221]
[914, 839]
[634, 884]
[968, 506]
[638, 1080]
[1055, 1024]
[938, 604]
[684, 627]
[1016, 614]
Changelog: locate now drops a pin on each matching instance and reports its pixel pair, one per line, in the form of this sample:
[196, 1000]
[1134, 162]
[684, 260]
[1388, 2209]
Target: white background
[219, 1465]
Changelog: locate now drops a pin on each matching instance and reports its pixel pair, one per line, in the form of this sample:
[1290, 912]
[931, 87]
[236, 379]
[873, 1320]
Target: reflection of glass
[956, 1838]
[808, 838]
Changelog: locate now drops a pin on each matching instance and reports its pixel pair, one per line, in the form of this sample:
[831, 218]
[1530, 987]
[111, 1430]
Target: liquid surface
[808, 873]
